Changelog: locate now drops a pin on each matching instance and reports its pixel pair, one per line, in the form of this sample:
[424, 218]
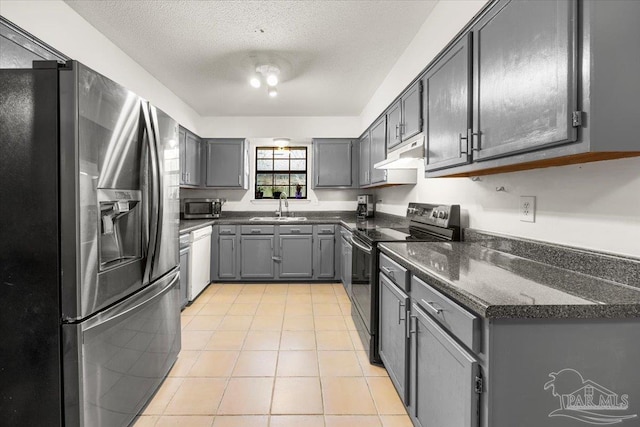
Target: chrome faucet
[286, 205]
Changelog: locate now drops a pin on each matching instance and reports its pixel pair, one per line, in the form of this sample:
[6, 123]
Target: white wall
[238, 200]
[287, 127]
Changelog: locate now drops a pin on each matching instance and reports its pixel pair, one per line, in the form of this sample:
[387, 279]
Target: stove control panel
[438, 215]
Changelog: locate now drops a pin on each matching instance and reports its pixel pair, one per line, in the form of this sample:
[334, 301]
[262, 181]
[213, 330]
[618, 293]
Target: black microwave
[202, 208]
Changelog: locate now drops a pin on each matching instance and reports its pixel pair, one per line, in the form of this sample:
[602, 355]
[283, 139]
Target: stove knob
[442, 214]
[434, 214]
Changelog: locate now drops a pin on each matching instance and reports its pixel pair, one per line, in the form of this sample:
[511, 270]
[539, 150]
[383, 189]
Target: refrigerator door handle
[159, 170]
[141, 299]
[154, 192]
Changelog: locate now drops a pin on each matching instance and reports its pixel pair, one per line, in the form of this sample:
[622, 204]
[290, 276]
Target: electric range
[428, 223]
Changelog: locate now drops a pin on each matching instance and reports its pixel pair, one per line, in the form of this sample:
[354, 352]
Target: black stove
[427, 223]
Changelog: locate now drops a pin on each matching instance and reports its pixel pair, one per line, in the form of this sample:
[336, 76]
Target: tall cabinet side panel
[30, 389]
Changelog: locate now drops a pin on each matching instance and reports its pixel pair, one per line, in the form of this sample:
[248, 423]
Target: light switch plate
[527, 208]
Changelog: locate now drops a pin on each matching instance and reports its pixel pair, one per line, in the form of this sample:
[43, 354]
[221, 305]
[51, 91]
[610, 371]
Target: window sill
[276, 200]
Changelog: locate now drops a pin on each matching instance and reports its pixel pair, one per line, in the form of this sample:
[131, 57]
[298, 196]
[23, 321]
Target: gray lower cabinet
[335, 163]
[227, 163]
[378, 151]
[524, 77]
[190, 147]
[393, 339]
[325, 252]
[257, 257]
[346, 252]
[443, 376]
[447, 108]
[296, 256]
[227, 256]
[365, 160]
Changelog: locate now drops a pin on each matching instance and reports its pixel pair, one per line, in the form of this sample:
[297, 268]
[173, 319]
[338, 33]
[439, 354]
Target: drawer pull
[431, 305]
[415, 326]
[388, 271]
[295, 230]
[254, 231]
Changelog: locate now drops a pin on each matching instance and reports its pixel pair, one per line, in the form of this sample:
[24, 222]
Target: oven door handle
[360, 246]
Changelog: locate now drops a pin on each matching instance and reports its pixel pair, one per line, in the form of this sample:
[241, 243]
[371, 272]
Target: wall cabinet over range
[275, 252]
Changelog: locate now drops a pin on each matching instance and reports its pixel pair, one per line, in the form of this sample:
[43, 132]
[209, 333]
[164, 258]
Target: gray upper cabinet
[378, 151]
[394, 124]
[393, 341]
[227, 163]
[335, 163]
[257, 257]
[296, 256]
[190, 147]
[447, 108]
[442, 377]
[524, 74]
[411, 102]
[365, 160]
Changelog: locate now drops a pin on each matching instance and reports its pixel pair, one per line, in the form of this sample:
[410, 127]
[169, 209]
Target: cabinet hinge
[576, 119]
[478, 384]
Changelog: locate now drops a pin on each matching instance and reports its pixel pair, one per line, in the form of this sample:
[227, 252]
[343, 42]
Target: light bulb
[272, 79]
[273, 92]
[255, 82]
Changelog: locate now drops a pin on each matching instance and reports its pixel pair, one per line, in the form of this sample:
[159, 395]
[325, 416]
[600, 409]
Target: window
[281, 170]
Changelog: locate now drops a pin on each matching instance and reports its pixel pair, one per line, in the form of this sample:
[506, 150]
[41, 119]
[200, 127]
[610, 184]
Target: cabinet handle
[432, 306]
[239, 179]
[460, 139]
[317, 179]
[400, 306]
[415, 329]
[397, 130]
[388, 271]
[476, 147]
[254, 231]
[233, 245]
[276, 259]
[295, 230]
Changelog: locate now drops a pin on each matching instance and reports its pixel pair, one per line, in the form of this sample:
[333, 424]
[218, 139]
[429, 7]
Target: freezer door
[103, 191]
[166, 253]
[115, 361]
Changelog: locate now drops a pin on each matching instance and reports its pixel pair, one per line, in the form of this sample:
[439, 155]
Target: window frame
[289, 171]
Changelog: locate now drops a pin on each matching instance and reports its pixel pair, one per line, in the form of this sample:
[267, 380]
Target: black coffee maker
[365, 207]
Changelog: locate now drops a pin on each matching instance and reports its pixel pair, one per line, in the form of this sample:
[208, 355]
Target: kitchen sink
[278, 218]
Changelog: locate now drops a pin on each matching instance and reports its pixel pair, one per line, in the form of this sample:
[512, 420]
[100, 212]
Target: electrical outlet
[527, 208]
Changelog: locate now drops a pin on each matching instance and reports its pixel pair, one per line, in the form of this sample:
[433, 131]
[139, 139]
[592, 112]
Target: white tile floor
[273, 355]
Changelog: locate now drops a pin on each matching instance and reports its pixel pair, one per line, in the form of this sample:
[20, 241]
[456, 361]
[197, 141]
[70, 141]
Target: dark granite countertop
[499, 285]
[345, 218]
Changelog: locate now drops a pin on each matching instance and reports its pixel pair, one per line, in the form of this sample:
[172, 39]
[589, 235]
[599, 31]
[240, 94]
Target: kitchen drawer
[227, 229]
[326, 229]
[257, 229]
[464, 325]
[296, 229]
[394, 271]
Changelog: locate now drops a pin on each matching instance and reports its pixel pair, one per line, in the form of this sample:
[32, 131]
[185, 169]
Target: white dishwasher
[199, 261]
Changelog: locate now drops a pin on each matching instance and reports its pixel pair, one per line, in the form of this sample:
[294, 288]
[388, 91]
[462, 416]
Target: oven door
[362, 280]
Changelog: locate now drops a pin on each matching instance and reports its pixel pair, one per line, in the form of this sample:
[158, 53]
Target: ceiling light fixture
[268, 74]
[281, 142]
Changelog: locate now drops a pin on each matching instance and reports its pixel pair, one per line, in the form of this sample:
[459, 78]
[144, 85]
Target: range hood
[408, 156]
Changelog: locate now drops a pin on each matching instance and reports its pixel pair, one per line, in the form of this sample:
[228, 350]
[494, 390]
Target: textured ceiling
[333, 54]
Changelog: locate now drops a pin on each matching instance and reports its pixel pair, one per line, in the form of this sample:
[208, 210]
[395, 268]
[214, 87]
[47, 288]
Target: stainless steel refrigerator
[89, 263]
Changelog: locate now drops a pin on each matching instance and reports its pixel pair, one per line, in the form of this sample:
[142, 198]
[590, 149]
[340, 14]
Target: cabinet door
[225, 163]
[325, 257]
[447, 108]
[393, 334]
[411, 102]
[296, 257]
[184, 278]
[192, 160]
[365, 159]
[394, 119]
[182, 146]
[378, 150]
[256, 257]
[442, 377]
[227, 257]
[332, 163]
[524, 77]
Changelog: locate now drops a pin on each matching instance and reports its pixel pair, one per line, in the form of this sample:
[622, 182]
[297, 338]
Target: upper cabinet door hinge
[576, 119]
[478, 384]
